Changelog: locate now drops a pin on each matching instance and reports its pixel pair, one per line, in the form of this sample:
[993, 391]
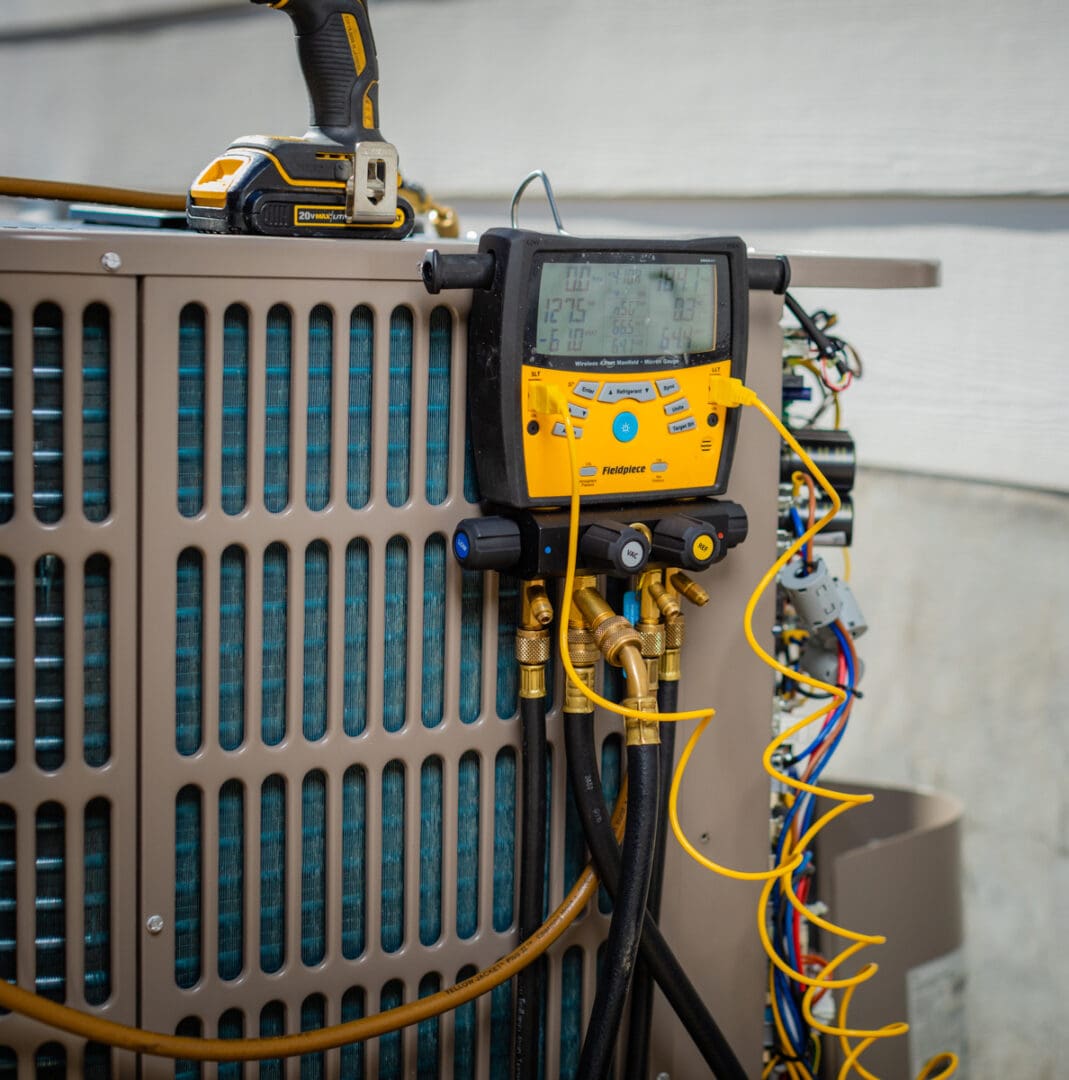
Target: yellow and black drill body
[340, 178]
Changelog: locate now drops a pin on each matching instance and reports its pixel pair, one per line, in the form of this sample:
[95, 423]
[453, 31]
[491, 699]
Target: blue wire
[799, 530]
[805, 804]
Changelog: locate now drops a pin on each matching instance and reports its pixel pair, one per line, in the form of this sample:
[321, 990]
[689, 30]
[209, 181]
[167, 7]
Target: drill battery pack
[277, 186]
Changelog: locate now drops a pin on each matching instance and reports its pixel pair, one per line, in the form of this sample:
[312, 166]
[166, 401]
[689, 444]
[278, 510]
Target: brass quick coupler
[584, 654]
[613, 634]
[532, 652]
[674, 632]
[645, 731]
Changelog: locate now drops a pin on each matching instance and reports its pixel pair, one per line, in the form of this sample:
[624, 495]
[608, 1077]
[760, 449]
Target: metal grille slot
[361, 355]
[49, 663]
[277, 416]
[316, 626]
[232, 648]
[7, 415]
[433, 695]
[313, 869]
[50, 938]
[48, 413]
[468, 845]
[235, 442]
[188, 869]
[191, 363]
[395, 678]
[96, 661]
[272, 874]
[97, 901]
[399, 429]
[320, 379]
[189, 651]
[7, 665]
[50, 1062]
[430, 852]
[354, 862]
[275, 644]
[230, 892]
[96, 412]
[8, 895]
[439, 379]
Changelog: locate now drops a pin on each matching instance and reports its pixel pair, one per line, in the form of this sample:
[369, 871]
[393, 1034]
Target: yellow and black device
[630, 332]
[341, 177]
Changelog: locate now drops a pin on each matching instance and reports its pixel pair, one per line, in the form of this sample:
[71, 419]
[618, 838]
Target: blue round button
[625, 426]
[461, 545]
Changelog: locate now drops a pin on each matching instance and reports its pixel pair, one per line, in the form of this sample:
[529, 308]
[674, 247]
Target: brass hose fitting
[674, 633]
[650, 627]
[645, 731]
[689, 588]
[532, 639]
[584, 655]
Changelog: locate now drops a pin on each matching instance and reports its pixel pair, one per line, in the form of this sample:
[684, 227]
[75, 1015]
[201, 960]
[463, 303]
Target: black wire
[585, 783]
[629, 905]
[530, 982]
[638, 1029]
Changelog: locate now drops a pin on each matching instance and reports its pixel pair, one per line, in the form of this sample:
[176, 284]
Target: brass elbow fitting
[666, 603]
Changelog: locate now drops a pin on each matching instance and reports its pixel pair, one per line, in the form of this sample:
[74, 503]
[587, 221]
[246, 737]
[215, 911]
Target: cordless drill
[340, 178]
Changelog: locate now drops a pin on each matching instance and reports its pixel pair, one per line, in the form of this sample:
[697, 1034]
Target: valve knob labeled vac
[686, 542]
[610, 543]
[487, 543]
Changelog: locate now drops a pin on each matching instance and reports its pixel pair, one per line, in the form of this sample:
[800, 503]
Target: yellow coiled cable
[732, 392]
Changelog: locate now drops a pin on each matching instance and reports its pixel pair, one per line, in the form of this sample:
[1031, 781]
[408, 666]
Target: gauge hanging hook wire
[538, 174]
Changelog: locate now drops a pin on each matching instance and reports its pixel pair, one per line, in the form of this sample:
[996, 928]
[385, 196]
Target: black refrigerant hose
[585, 782]
[641, 1015]
[530, 981]
[629, 906]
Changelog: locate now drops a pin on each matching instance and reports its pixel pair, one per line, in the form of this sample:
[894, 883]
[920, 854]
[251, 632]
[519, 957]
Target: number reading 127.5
[625, 309]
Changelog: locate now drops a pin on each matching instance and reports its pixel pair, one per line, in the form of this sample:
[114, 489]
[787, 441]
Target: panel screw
[154, 924]
[704, 838]
[111, 261]
[663, 1076]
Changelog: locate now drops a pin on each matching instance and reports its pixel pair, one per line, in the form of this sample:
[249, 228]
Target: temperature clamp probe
[629, 332]
[340, 178]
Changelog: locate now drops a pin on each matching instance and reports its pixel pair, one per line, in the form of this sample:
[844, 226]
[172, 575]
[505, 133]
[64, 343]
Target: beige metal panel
[72, 540]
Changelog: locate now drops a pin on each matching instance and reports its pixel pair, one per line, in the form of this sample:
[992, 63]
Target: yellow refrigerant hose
[194, 1048]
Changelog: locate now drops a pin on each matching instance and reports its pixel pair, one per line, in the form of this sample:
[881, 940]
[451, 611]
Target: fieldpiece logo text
[622, 470]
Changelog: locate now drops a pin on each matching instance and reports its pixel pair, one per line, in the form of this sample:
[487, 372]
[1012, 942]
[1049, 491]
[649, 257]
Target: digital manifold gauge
[630, 332]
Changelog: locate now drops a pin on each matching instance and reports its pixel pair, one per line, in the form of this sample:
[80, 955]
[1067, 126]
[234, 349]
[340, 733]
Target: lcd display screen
[625, 309]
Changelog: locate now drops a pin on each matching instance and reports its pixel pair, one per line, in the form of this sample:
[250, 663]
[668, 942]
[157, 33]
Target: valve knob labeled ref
[686, 542]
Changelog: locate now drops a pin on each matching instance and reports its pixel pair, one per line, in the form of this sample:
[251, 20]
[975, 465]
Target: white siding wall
[909, 128]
